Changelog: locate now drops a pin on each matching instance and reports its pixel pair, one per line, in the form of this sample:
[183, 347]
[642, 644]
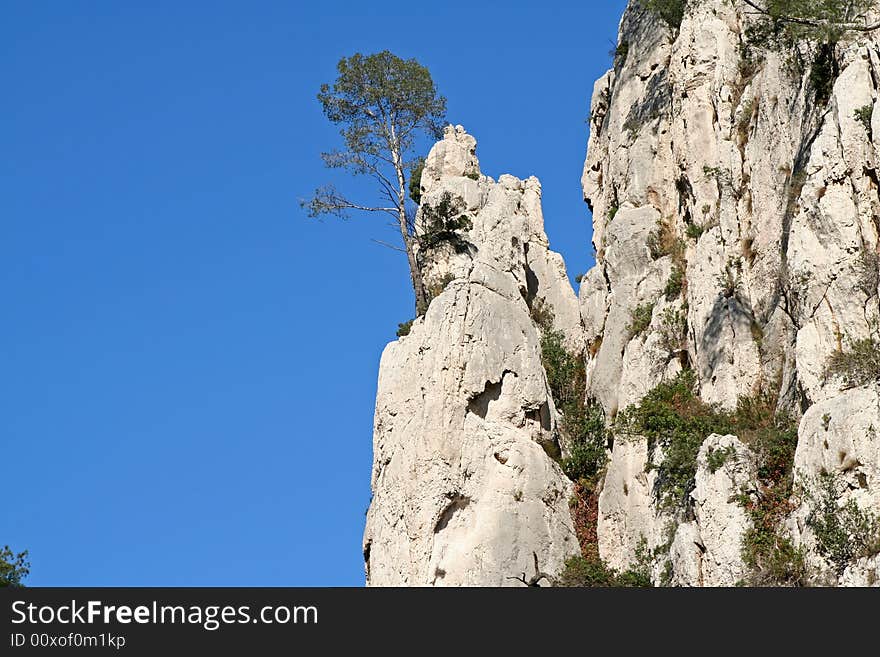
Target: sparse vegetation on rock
[582, 421]
[863, 115]
[856, 364]
[444, 222]
[640, 320]
[844, 533]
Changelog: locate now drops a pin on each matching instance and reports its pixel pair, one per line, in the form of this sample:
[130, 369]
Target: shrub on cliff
[671, 11]
[442, 222]
[590, 571]
[856, 365]
[674, 418]
[843, 533]
[582, 421]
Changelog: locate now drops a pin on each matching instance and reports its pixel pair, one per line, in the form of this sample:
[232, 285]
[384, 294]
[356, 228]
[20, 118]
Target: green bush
[585, 427]
[673, 330]
[843, 533]
[766, 547]
[415, 180]
[694, 231]
[563, 370]
[674, 284]
[442, 223]
[405, 328]
[671, 11]
[673, 417]
[639, 574]
[582, 421]
[863, 115]
[771, 556]
[593, 572]
[586, 573]
[633, 579]
[640, 320]
[771, 434]
[857, 365]
[716, 458]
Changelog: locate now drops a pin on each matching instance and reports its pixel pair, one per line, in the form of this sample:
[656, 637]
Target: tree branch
[535, 580]
[328, 201]
[361, 165]
[389, 246]
[854, 27]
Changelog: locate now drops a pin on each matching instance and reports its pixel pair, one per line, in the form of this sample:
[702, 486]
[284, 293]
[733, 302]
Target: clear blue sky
[187, 363]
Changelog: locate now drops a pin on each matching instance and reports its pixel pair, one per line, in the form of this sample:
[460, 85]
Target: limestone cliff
[735, 204]
[464, 490]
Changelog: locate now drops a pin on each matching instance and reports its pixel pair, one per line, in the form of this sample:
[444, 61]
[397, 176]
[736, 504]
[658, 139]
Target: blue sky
[187, 363]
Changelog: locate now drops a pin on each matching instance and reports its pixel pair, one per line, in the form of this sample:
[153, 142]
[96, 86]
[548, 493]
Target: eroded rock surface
[464, 490]
[711, 155]
[735, 212]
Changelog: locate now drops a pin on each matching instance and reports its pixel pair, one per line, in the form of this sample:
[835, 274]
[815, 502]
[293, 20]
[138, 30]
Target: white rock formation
[773, 197]
[840, 436]
[464, 491]
[704, 551]
[720, 519]
[628, 514]
[722, 187]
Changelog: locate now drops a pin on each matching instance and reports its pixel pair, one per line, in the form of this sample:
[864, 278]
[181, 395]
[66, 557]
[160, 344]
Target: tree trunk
[415, 274]
[409, 241]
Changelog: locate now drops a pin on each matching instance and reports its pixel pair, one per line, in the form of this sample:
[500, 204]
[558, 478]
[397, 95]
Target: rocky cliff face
[464, 490]
[735, 204]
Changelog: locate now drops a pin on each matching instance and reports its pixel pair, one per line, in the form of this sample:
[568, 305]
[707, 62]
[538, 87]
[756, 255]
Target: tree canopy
[13, 567]
[382, 105]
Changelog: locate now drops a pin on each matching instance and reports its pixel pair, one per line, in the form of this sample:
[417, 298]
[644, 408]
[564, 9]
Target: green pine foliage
[415, 180]
[443, 223]
[14, 567]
